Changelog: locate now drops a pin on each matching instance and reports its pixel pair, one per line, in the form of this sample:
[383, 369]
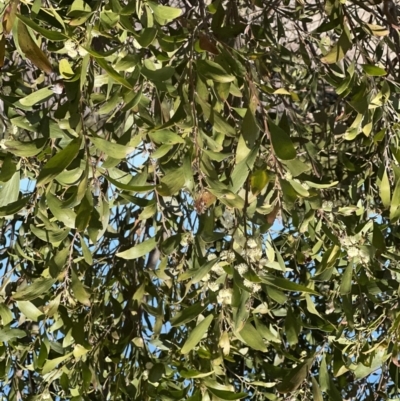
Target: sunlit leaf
[138, 250]
[197, 334]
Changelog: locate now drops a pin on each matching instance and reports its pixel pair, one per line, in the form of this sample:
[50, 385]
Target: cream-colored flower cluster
[225, 296]
[353, 246]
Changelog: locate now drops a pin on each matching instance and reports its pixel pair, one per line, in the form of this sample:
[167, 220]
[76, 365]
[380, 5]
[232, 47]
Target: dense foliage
[199, 200]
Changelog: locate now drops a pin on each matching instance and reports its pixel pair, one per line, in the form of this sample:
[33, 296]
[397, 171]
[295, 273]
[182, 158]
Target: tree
[199, 200]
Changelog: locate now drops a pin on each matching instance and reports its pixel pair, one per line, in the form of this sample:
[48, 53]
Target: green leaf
[345, 285]
[316, 391]
[66, 216]
[59, 162]
[65, 69]
[164, 13]
[186, 315]
[373, 71]
[5, 314]
[14, 207]
[171, 183]
[378, 30]
[8, 169]
[139, 250]
[197, 334]
[51, 35]
[8, 334]
[286, 284]
[226, 395]
[37, 97]
[30, 310]
[384, 190]
[26, 149]
[114, 150]
[199, 273]
[37, 288]
[109, 19]
[130, 188]
[161, 74]
[79, 290]
[311, 306]
[211, 70]
[146, 37]
[84, 211]
[161, 151]
[281, 143]
[379, 356]
[9, 191]
[229, 198]
[299, 189]
[258, 181]
[86, 252]
[323, 375]
[292, 328]
[242, 170]
[51, 364]
[378, 240]
[243, 311]
[395, 203]
[165, 137]
[194, 374]
[55, 237]
[292, 381]
[112, 73]
[252, 337]
[250, 129]
[321, 185]
[340, 49]
[215, 118]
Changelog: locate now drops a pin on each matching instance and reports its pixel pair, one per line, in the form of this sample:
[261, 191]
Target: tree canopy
[199, 200]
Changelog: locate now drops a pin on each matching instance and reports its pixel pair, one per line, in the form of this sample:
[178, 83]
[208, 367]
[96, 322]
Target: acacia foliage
[199, 201]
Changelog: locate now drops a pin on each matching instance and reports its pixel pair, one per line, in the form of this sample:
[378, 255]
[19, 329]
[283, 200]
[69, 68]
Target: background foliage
[199, 200]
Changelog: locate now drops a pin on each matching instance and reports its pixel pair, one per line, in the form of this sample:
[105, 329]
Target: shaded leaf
[79, 290]
[211, 70]
[188, 314]
[292, 381]
[281, 143]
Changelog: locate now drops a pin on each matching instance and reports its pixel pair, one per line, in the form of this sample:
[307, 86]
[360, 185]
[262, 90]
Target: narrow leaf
[31, 50]
[59, 162]
[138, 250]
[51, 364]
[37, 288]
[252, 337]
[316, 391]
[281, 143]
[37, 97]
[7, 334]
[292, 381]
[197, 334]
[29, 310]
[188, 314]
[79, 290]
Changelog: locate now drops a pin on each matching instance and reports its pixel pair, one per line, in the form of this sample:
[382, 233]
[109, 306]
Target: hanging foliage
[199, 200]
